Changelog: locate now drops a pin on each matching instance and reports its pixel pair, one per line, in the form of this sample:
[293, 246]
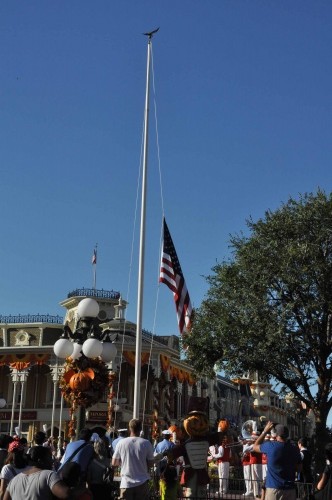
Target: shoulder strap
[98, 463]
[75, 453]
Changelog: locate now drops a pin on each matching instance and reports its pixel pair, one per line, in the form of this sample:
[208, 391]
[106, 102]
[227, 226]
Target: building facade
[30, 374]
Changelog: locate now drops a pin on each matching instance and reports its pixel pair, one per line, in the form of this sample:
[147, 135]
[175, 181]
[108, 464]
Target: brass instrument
[248, 428]
[236, 443]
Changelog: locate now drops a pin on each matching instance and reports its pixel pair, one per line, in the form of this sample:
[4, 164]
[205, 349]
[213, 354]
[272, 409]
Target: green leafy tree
[269, 308]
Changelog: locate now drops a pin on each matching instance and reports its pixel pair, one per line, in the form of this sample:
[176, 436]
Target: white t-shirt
[134, 452]
[9, 471]
[36, 486]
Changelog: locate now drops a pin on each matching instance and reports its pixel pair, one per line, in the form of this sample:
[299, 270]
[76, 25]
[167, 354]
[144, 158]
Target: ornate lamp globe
[92, 348]
[63, 348]
[109, 352]
[88, 308]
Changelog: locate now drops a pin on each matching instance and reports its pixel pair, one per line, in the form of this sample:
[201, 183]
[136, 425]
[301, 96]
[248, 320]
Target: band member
[247, 448]
[223, 458]
[256, 469]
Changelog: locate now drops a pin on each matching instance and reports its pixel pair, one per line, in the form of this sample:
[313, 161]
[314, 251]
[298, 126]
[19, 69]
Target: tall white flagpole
[137, 382]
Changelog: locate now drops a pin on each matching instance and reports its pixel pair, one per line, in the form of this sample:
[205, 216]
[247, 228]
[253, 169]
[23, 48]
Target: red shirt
[246, 459]
[226, 456]
[255, 458]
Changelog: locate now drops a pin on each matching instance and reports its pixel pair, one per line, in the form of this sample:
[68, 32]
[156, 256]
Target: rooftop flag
[171, 274]
[94, 256]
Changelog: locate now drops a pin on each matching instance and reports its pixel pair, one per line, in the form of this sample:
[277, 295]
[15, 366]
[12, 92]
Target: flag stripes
[171, 274]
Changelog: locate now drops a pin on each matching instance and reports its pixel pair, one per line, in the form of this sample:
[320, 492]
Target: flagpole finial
[151, 33]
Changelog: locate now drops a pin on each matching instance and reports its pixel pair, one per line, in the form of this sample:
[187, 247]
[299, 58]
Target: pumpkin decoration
[196, 425]
[81, 380]
[223, 425]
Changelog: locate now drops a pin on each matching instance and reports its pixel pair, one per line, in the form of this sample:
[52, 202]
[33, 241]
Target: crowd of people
[44, 471]
[273, 466]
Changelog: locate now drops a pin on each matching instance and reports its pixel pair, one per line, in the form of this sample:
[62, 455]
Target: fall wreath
[84, 381]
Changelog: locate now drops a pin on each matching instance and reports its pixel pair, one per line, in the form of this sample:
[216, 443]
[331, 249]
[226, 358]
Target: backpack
[108, 476]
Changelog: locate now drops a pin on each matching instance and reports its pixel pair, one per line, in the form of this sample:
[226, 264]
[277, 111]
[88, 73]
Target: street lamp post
[87, 343]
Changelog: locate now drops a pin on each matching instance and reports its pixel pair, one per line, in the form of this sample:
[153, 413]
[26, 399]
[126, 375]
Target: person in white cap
[123, 433]
[165, 445]
[167, 489]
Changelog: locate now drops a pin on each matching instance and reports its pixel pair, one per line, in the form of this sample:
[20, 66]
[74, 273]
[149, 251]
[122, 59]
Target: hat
[95, 437]
[281, 431]
[166, 432]
[197, 405]
[15, 445]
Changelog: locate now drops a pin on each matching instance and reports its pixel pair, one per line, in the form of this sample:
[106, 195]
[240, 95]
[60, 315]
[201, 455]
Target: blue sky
[243, 93]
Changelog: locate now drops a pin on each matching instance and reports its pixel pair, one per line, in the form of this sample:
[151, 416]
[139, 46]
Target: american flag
[171, 275]
[94, 256]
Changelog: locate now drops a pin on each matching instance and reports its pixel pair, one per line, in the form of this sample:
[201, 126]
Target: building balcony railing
[91, 292]
[32, 318]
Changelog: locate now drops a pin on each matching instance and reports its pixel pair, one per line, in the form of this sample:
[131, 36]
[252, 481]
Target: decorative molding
[22, 338]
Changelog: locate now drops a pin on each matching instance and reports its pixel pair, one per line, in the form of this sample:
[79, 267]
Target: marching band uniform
[247, 448]
[256, 468]
[256, 472]
[223, 457]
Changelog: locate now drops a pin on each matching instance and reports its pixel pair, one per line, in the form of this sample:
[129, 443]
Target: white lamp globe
[88, 308]
[92, 348]
[77, 351]
[262, 394]
[109, 351]
[3, 403]
[63, 348]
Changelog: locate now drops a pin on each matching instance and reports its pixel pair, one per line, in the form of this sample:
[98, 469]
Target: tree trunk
[321, 438]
